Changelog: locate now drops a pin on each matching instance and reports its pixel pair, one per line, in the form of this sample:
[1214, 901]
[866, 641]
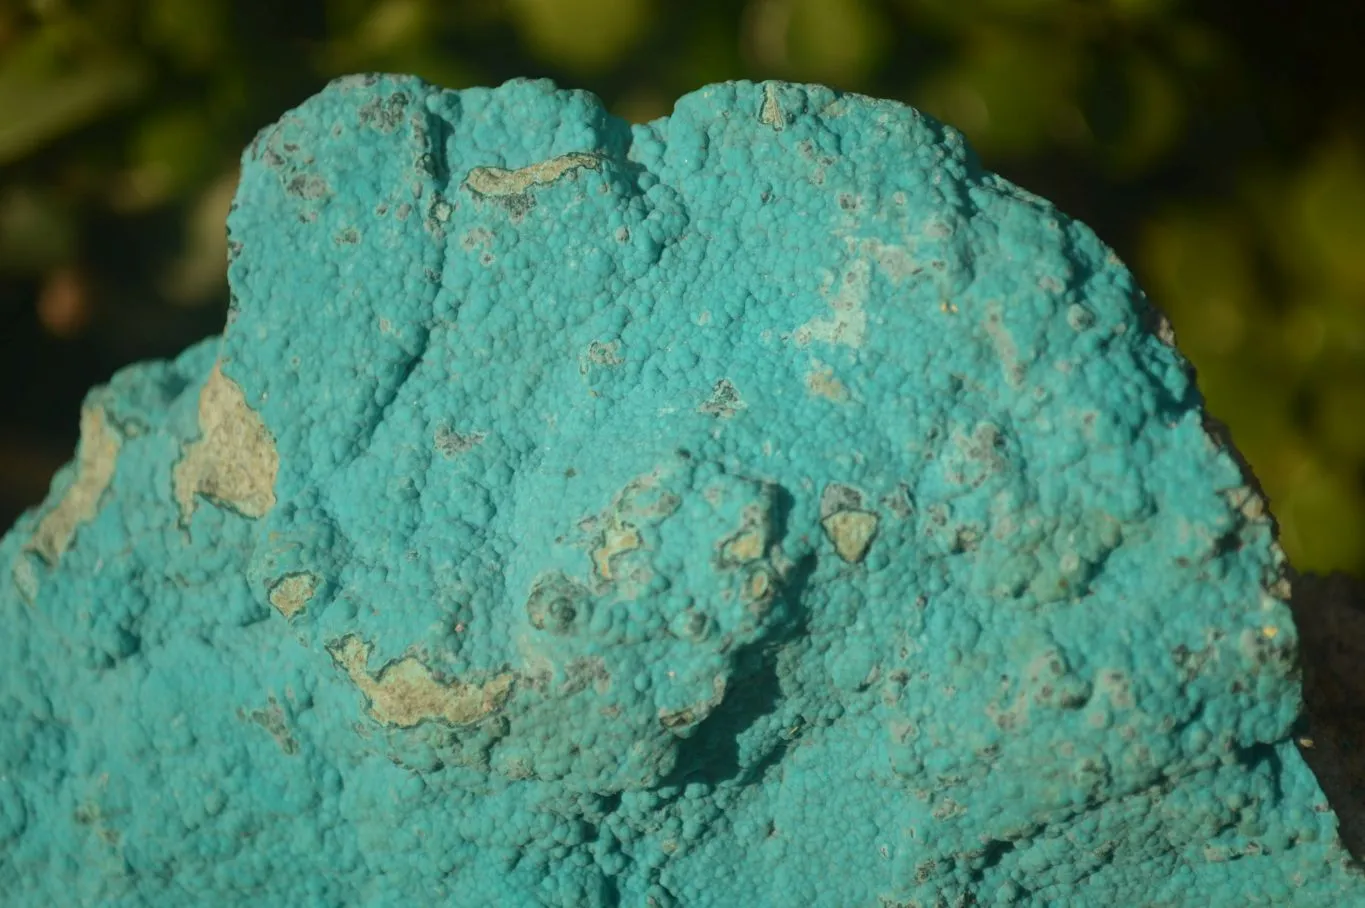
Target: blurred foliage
[1219, 146]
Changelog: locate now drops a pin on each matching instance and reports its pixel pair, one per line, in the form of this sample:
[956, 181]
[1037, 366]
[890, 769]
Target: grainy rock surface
[760, 506]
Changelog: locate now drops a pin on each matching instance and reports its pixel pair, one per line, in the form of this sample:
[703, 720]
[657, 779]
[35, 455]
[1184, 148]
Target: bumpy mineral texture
[764, 505]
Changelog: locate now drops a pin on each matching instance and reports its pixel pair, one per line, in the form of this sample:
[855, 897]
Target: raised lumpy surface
[762, 505]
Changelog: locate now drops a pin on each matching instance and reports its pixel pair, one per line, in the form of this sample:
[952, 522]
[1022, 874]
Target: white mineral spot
[895, 261]
[848, 323]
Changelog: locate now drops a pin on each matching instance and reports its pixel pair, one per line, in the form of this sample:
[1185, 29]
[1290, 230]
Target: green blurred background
[1218, 146]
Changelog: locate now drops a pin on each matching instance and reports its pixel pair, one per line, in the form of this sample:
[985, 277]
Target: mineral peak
[762, 505]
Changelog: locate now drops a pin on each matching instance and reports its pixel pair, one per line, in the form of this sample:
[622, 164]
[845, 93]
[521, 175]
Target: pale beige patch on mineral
[771, 113]
[234, 462]
[406, 693]
[1004, 343]
[95, 461]
[747, 546]
[617, 539]
[617, 530]
[292, 593]
[496, 181]
[751, 541]
[821, 382]
[851, 532]
[602, 354]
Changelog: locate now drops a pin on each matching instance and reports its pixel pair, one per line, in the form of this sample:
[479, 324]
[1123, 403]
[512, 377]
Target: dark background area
[1219, 147]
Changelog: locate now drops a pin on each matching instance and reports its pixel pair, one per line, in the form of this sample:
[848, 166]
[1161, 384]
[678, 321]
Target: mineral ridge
[764, 505]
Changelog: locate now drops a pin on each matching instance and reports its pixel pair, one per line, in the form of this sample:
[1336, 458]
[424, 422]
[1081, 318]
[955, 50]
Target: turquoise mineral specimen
[764, 505]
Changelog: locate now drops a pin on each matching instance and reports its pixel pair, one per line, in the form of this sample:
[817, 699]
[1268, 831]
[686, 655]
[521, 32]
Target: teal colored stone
[764, 505]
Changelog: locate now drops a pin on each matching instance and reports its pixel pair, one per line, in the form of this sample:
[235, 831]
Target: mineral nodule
[764, 505]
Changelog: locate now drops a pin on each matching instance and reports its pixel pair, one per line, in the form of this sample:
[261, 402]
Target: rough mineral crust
[764, 505]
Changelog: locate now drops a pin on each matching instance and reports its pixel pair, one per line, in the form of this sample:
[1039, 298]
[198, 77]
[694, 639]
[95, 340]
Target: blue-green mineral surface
[764, 505]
